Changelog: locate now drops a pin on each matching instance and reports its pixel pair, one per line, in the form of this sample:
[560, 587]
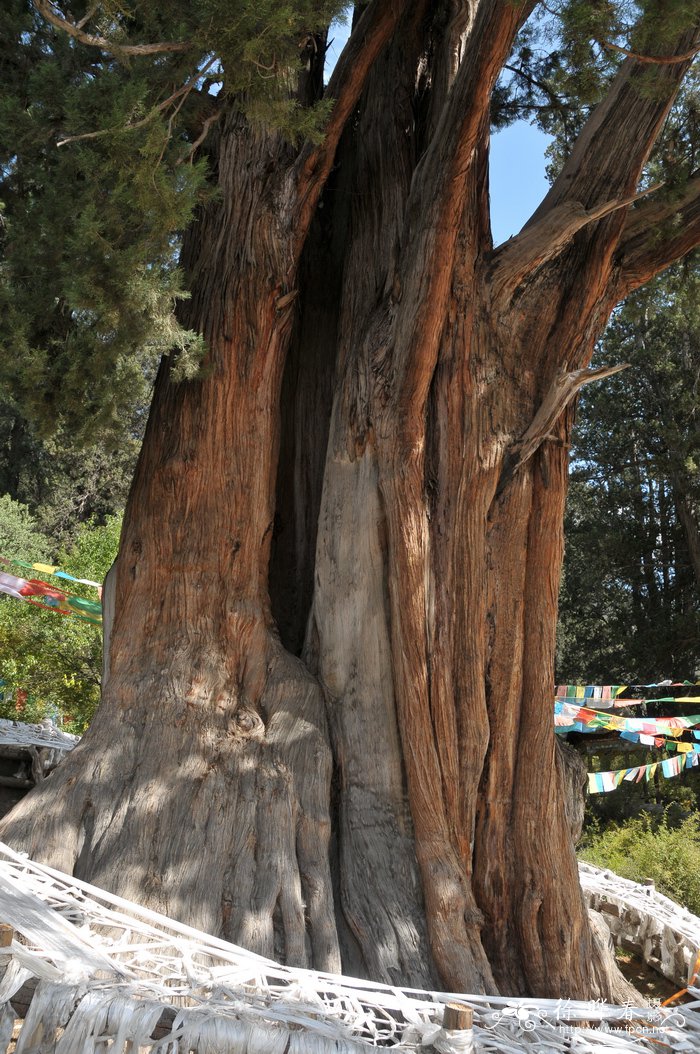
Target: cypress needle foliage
[20, 535]
[629, 599]
[102, 161]
[567, 54]
[66, 483]
[103, 158]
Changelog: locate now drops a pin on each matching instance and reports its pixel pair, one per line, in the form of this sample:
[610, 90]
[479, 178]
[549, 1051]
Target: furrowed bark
[359, 433]
[558, 310]
[564, 388]
[407, 341]
[574, 771]
[515, 261]
[238, 841]
[439, 191]
[348, 644]
[366, 42]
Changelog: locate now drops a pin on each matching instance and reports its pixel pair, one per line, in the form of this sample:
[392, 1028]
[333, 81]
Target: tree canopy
[101, 120]
[104, 122]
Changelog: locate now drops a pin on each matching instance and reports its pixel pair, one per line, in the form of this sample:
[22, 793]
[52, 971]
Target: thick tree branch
[441, 187]
[459, 18]
[654, 60]
[52, 14]
[345, 87]
[441, 171]
[519, 257]
[564, 388]
[206, 125]
[656, 235]
[614, 144]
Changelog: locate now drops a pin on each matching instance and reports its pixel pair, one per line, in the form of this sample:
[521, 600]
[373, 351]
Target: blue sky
[518, 182]
[517, 176]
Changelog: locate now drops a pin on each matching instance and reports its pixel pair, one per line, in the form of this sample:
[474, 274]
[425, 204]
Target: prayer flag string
[660, 732]
[48, 569]
[603, 782]
[602, 695]
[569, 718]
[607, 696]
[53, 599]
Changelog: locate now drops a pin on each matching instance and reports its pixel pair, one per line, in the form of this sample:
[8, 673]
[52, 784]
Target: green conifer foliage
[630, 602]
[20, 535]
[98, 178]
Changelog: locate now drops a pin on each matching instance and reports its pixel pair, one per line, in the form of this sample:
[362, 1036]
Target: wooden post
[457, 1017]
[6, 935]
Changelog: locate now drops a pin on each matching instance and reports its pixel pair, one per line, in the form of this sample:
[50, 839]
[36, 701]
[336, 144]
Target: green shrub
[53, 663]
[642, 848]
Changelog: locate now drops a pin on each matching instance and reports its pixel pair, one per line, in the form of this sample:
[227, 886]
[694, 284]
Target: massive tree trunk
[203, 784]
[388, 799]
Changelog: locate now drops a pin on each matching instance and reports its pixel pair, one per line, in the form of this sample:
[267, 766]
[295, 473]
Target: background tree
[389, 801]
[630, 604]
[63, 480]
[19, 534]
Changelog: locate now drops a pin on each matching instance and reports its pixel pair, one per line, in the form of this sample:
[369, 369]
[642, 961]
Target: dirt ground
[647, 981]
